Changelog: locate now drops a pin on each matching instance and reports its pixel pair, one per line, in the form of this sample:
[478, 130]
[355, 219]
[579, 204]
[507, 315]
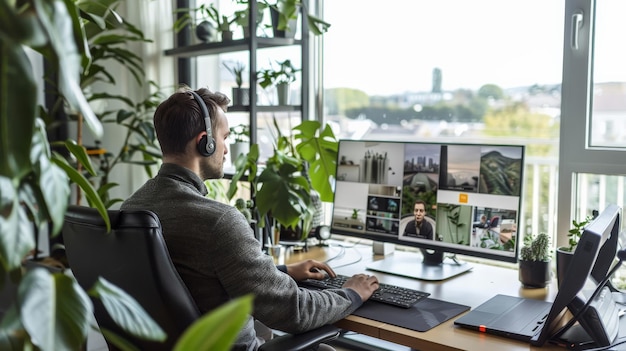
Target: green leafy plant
[245, 207]
[237, 70]
[285, 73]
[355, 213]
[301, 162]
[289, 9]
[240, 133]
[203, 12]
[106, 39]
[51, 311]
[536, 248]
[242, 16]
[574, 234]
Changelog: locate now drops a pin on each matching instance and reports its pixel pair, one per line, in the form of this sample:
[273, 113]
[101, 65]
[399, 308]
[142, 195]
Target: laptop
[512, 317]
[538, 321]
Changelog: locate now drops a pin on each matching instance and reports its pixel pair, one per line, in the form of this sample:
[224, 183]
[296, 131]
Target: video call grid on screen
[472, 193]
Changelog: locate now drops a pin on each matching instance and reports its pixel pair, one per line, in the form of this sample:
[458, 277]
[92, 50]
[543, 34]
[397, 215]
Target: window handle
[577, 23]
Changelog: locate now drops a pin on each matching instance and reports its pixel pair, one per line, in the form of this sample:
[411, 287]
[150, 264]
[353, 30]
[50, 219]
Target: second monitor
[441, 197]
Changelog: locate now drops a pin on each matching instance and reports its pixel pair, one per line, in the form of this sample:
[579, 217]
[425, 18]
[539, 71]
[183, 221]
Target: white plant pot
[238, 148]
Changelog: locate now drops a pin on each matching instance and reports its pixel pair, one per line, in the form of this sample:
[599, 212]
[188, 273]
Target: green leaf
[17, 237]
[11, 330]
[126, 311]
[117, 340]
[16, 133]
[80, 153]
[54, 309]
[50, 182]
[244, 164]
[217, 330]
[57, 21]
[321, 154]
[85, 185]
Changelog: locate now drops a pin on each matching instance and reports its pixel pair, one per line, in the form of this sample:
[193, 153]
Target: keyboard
[386, 293]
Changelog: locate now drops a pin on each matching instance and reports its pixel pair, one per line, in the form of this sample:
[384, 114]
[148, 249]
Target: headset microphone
[206, 145]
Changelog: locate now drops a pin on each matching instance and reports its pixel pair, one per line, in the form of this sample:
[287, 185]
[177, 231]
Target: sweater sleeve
[278, 301]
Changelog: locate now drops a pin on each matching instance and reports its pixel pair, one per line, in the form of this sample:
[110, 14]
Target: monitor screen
[456, 198]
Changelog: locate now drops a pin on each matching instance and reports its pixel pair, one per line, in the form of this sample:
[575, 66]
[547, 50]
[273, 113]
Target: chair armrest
[304, 341]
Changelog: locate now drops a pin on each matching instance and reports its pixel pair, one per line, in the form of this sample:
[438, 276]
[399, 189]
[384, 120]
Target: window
[486, 71]
[592, 161]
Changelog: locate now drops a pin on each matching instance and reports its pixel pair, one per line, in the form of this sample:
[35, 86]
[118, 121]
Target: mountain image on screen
[499, 174]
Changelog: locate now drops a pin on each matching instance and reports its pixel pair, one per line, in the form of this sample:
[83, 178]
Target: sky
[394, 48]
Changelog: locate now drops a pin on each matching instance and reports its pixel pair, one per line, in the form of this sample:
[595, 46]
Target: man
[421, 228]
[211, 243]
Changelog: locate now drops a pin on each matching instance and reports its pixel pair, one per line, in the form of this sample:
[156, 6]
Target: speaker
[206, 146]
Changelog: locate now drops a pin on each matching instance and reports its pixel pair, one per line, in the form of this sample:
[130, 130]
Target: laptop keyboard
[386, 293]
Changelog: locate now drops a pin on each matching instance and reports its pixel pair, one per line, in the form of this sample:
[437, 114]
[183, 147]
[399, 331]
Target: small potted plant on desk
[564, 254]
[281, 78]
[534, 264]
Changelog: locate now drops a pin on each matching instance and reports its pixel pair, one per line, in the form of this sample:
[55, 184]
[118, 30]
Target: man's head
[181, 128]
[419, 210]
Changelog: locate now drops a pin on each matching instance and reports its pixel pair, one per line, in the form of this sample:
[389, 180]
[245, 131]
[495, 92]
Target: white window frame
[575, 156]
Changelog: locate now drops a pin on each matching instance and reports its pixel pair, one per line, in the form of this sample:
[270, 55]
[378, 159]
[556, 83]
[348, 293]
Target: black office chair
[134, 257]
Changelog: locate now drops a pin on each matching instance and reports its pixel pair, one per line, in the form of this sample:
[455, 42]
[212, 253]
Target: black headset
[206, 145]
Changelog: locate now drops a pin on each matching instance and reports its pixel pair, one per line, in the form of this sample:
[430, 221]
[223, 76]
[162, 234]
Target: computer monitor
[593, 257]
[378, 183]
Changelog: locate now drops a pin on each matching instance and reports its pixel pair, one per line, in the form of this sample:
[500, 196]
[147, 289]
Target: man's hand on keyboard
[310, 269]
[363, 284]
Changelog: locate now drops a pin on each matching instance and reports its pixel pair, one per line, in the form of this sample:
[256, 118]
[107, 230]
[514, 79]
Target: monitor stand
[432, 268]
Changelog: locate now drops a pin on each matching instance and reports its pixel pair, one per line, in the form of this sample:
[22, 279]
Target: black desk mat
[423, 316]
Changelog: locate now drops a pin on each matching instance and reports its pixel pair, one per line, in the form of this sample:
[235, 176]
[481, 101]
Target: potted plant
[205, 30]
[243, 16]
[241, 96]
[564, 254]
[281, 78]
[285, 15]
[51, 311]
[301, 162]
[240, 145]
[534, 264]
[223, 22]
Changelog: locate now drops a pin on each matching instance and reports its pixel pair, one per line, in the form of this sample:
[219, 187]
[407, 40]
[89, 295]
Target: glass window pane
[485, 71]
[608, 123]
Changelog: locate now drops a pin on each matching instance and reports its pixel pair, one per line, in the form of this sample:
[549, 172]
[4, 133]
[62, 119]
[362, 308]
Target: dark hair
[179, 118]
[420, 202]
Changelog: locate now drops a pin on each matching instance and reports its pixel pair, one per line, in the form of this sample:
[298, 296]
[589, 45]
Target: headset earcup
[205, 148]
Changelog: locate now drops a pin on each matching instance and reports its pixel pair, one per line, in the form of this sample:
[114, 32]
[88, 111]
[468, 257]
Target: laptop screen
[578, 280]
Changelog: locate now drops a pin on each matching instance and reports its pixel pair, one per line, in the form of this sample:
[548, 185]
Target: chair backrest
[134, 257]
[495, 222]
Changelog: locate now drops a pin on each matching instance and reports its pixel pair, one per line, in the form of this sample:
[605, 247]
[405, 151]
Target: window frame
[575, 154]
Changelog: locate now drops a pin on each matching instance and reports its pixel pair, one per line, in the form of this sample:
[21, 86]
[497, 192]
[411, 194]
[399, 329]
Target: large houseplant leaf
[59, 24]
[15, 133]
[54, 310]
[320, 151]
[217, 330]
[126, 312]
[284, 193]
[17, 236]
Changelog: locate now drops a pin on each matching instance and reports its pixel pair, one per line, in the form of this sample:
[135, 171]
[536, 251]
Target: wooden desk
[471, 289]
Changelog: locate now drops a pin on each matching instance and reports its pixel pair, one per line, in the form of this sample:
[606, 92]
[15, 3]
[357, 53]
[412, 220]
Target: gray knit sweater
[218, 258]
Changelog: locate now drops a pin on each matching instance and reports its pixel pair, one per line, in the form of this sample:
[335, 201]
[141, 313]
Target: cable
[341, 253]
